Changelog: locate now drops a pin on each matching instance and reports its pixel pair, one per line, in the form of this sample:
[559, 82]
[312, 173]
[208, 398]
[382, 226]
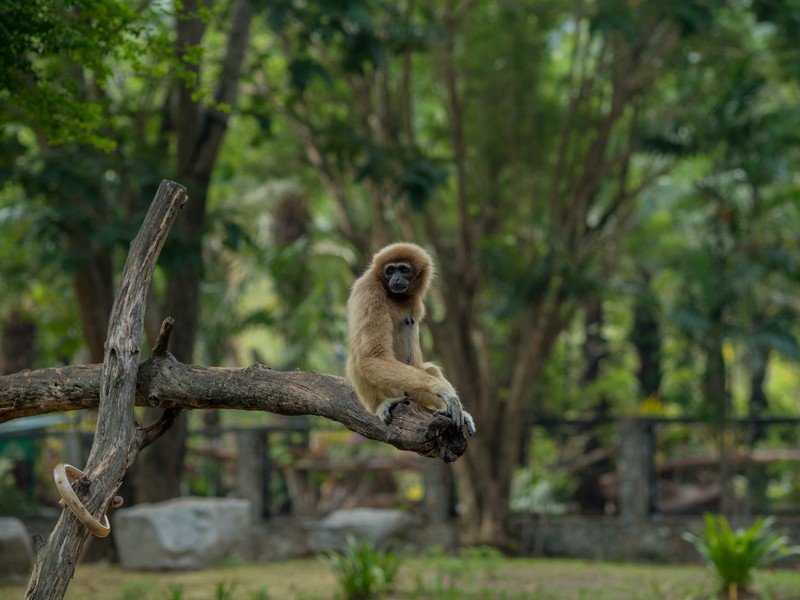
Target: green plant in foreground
[734, 555]
[136, 589]
[260, 594]
[175, 591]
[363, 571]
[224, 590]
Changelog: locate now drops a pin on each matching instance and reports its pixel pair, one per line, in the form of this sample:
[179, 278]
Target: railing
[632, 468]
[645, 465]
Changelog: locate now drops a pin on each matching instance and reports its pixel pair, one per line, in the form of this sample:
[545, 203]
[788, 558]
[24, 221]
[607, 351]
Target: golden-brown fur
[384, 362]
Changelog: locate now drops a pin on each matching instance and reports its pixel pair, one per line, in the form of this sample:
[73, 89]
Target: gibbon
[384, 361]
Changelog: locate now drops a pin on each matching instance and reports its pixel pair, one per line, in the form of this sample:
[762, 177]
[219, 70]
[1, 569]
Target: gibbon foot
[469, 422]
[453, 408]
[388, 405]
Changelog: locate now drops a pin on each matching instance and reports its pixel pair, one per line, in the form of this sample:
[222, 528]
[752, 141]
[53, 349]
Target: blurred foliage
[713, 232]
[707, 253]
[39, 39]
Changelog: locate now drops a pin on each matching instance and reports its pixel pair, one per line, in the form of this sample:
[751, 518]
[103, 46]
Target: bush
[733, 556]
[364, 571]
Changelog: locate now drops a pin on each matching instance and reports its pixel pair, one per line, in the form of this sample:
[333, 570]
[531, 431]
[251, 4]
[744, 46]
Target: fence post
[250, 470]
[635, 464]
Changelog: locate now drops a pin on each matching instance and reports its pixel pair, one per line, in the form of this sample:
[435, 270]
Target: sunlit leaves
[39, 40]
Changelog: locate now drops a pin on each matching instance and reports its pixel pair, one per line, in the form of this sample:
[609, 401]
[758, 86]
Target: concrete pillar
[438, 481]
[634, 468]
[250, 470]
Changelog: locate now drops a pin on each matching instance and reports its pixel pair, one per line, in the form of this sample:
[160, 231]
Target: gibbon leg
[385, 408]
[432, 369]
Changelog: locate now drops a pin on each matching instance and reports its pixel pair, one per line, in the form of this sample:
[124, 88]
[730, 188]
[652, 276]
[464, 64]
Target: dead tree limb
[169, 384]
[115, 443]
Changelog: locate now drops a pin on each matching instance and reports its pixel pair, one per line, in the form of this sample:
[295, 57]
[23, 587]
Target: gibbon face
[404, 269]
[397, 277]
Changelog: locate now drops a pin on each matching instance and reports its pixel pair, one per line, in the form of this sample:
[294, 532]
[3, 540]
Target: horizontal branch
[167, 383]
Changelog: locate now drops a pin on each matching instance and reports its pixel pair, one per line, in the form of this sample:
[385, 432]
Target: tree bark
[164, 382]
[116, 442]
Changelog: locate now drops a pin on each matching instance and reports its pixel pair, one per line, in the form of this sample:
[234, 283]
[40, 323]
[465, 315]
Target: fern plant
[733, 555]
[364, 571]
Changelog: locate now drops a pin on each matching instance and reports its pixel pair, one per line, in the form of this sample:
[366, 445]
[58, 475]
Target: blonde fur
[384, 362]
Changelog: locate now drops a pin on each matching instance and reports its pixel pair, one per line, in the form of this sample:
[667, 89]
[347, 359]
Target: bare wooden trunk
[116, 443]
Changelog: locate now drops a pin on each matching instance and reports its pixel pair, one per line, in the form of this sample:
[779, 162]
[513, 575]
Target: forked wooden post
[116, 442]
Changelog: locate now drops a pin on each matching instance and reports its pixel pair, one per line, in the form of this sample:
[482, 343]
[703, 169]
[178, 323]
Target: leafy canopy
[41, 41]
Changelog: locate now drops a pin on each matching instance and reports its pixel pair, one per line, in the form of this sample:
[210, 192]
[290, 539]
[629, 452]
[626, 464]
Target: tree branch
[215, 121]
[166, 383]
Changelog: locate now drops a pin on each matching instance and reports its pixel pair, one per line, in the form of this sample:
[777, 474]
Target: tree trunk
[717, 396]
[200, 133]
[645, 336]
[17, 346]
[94, 293]
[484, 473]
[485, 487]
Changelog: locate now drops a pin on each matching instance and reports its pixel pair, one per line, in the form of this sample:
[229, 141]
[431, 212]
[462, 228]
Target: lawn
[484, 577]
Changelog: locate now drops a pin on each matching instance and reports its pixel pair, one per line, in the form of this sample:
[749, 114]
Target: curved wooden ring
[63, 474]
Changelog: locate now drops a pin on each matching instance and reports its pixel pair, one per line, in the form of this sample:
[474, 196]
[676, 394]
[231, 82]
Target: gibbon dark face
[398, 277]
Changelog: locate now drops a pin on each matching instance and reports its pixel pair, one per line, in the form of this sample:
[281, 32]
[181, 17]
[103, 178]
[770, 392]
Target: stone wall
[656, 539]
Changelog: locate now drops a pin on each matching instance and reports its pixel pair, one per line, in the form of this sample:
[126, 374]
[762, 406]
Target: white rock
[16, 547]
[180, 534]
[374, 524]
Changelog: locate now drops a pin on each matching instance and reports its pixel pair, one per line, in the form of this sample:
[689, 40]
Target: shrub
[734, 555]
[364, 571]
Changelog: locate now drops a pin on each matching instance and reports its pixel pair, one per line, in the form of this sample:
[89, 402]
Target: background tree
[199, 132]
[519, 171]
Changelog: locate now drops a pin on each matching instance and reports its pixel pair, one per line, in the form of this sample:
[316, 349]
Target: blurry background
[608, 187]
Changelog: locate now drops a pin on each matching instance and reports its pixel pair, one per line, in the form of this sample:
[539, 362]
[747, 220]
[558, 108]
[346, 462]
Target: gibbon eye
[389, 269]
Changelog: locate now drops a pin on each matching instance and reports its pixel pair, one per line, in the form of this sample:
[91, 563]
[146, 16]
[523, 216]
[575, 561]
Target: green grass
[473, 577]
